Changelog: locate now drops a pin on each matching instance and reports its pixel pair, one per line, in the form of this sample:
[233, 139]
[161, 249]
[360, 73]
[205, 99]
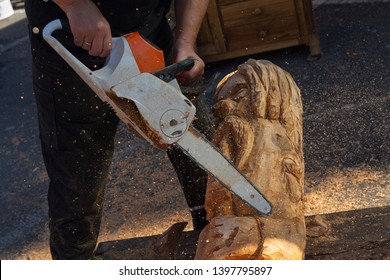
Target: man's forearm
[66, 4]
[189, 15]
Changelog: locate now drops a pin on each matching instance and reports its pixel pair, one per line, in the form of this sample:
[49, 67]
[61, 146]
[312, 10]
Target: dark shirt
[124, 16]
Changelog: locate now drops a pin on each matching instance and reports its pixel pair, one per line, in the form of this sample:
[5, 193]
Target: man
[77, 129]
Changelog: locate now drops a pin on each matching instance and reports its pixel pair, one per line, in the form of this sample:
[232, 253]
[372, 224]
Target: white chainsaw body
[165, 110]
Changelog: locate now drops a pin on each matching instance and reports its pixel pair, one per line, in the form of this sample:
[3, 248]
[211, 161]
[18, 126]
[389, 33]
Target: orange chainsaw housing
[148, 57]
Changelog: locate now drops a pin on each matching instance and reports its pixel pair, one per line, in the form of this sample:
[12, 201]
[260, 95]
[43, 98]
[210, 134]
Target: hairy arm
[90, 29]
[189, 15]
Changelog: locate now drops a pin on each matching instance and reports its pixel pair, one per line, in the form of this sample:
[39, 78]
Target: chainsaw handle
[169, 73]
[119, 61]
[65, 25]
[47, 34]
[183, 65]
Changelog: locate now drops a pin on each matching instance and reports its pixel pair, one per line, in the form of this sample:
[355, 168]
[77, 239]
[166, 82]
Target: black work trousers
[77, 133]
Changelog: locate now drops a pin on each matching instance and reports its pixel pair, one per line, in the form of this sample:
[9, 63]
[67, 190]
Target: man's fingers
[86, 45]
[78, 42]
[192, 75]
[106, 46]
[97, 46]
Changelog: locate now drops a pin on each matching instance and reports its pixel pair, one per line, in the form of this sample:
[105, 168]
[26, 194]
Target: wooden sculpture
[259, 114]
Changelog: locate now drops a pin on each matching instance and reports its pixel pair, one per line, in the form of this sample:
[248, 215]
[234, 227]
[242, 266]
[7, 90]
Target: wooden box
[234, 28]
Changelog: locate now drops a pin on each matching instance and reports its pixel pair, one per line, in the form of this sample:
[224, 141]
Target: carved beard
[235, 137]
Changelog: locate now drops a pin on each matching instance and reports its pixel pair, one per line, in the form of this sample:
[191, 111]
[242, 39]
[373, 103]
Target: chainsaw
[146, 96]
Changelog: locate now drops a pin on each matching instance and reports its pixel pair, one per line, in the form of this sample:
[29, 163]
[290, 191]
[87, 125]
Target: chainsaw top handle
[169, 73]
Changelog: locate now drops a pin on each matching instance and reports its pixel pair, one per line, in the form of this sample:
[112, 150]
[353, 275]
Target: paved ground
[346, 133]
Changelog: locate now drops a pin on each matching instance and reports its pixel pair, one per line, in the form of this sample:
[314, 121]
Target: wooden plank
[262, 33]
[359, 234]
[234, 28]
[251, 50]
[246, 12]
[353, 235]
[308, 28]
[210, 38]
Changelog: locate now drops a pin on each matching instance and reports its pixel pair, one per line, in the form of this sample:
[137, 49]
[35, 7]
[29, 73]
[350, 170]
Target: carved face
[233, 97]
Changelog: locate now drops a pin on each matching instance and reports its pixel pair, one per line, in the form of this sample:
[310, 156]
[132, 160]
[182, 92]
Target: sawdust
[346, 189]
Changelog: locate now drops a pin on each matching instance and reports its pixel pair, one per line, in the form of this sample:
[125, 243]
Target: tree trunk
[259, 113]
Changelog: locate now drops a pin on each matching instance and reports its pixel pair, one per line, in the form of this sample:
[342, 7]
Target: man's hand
[184, 51]
[90, 29]
[189, 16]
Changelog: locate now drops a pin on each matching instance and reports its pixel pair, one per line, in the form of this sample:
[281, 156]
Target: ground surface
[346, 134]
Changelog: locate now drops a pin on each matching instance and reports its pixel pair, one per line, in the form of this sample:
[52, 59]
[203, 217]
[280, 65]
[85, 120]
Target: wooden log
[359, 234]
[362, 234]
[259, 113]
[351, 235]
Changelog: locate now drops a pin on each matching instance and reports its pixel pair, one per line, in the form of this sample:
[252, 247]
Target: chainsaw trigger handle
[169, 73]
